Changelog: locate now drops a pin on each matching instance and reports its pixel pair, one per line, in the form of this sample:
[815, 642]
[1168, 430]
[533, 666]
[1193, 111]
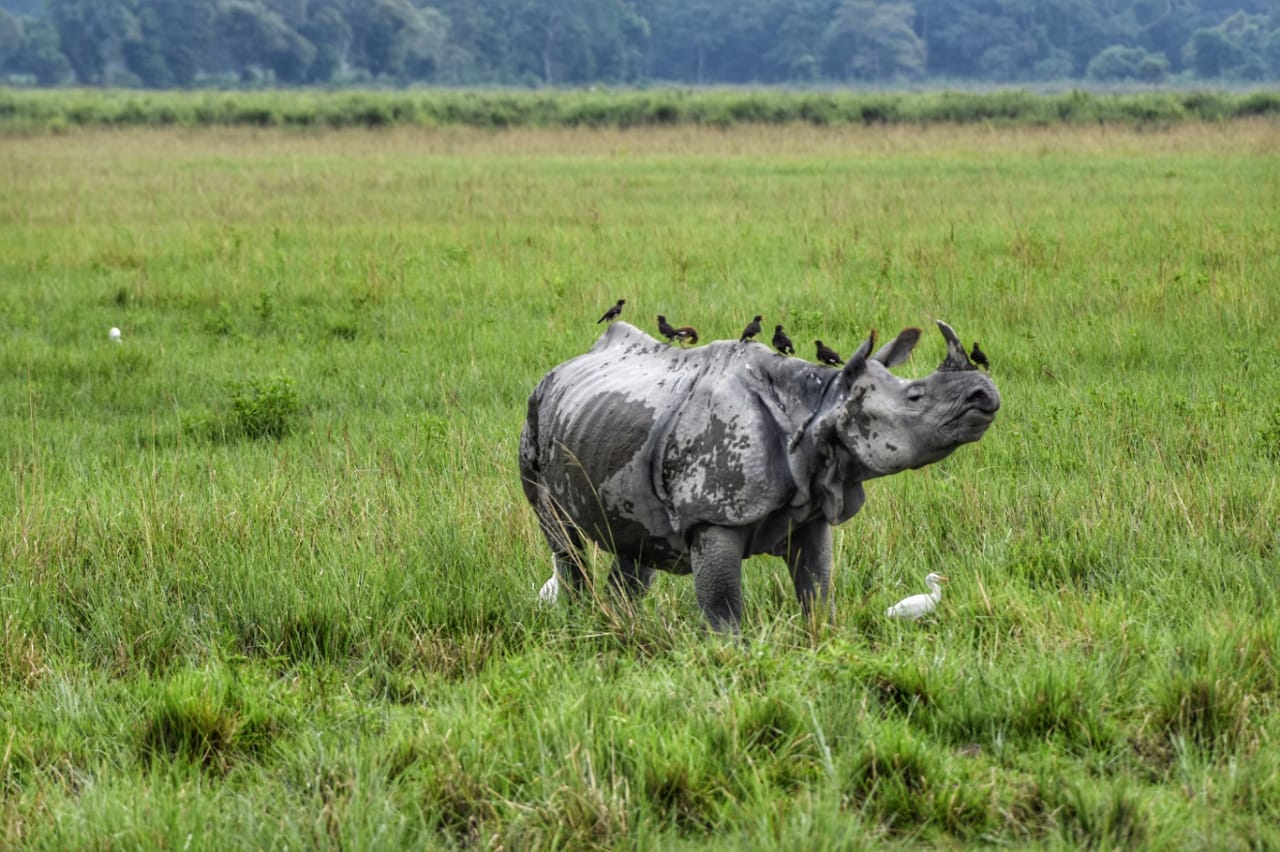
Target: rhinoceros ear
[858, 360]
[899, 349]
[957, 358]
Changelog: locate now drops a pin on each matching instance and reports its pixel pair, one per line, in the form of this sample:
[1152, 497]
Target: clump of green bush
[263, 408]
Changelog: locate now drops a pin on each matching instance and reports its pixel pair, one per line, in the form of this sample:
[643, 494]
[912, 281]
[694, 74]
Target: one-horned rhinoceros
[692, 460]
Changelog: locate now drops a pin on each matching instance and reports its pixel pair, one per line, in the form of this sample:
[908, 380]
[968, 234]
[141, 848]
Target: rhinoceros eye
[915, 393]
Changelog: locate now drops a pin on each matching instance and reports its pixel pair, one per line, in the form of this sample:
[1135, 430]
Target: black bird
[827, 355]
[688, 334]
[752, 329]
[979, 357]
[612, 314]
[682, 334]
[781, 342]
[665, 329]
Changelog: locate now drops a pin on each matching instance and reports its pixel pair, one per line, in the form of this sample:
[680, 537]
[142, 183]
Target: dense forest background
[188, 43]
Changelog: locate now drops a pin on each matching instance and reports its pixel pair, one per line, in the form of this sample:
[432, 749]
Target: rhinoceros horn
[957, 358]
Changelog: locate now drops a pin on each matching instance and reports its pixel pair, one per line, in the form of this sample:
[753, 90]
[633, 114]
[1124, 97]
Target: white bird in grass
[918, 606]
[114, 335]
[550, 590]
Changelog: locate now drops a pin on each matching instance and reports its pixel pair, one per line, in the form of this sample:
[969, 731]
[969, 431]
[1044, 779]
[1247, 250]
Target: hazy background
[184, 43]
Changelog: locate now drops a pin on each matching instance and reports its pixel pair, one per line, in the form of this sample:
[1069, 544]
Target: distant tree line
[189, 43]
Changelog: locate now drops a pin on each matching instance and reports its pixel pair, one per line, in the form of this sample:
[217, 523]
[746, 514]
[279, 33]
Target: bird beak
[943, 578]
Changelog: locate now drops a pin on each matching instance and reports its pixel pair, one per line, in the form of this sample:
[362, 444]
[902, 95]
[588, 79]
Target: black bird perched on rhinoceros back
[613, 313]
[979, 357]
[686, 334]
[827, 355]
[752, 329]
[689, 462]
[665, 328]
[781, 342]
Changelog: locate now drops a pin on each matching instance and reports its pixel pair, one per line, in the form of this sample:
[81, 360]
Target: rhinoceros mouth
[978, 411]
[970, 424]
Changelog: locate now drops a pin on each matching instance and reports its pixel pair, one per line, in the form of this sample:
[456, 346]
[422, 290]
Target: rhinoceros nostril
[983, 399]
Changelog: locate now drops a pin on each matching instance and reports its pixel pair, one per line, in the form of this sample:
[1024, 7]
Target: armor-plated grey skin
[692, 460]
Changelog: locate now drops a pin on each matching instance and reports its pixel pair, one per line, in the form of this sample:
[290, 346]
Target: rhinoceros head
[891, 424]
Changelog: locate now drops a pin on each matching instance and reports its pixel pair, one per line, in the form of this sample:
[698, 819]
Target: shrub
[264, 408]
[1258, 103]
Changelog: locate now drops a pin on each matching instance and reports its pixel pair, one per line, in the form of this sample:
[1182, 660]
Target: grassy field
[268, 578]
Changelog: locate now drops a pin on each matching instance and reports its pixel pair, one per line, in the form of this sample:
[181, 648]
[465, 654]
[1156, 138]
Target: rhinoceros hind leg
[570, 574]
[628, 579]
[566, 544]
[716, 556]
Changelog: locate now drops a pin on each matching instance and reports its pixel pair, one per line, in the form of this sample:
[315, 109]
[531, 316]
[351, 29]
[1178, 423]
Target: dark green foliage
[487, 109]
[262, 408]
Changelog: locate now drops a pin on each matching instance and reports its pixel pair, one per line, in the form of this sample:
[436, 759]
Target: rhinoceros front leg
[809, 561]
[715, 554]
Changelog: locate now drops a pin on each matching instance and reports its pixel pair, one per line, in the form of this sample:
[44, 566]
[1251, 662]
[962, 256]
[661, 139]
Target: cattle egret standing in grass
[114, 334]
[550, 590]
[918, 606]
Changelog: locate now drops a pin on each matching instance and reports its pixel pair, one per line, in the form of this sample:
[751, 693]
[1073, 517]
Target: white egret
[550, 590]
[114, 334]
[918, 606]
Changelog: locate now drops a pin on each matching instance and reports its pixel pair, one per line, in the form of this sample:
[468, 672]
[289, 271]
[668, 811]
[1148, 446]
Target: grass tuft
[206, 717]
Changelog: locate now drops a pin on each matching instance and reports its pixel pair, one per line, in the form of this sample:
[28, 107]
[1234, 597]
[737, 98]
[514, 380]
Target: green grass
[269, 577]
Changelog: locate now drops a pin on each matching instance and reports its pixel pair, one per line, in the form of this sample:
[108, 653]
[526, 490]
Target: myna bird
[979, 357]
[613, 313]
[827, 355]
[752, 329]
[781, 342]
[686, 334]
[665, 329]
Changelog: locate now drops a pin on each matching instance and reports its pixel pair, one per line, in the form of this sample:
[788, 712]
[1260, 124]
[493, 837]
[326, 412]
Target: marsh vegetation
[269, 579]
